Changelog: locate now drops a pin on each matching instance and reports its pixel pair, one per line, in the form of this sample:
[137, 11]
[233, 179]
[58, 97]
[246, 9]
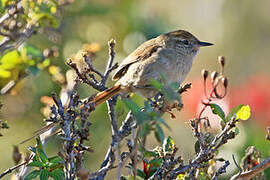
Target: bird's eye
[185, 42]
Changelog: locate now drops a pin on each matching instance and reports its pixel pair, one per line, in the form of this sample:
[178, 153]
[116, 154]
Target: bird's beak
[205, 43]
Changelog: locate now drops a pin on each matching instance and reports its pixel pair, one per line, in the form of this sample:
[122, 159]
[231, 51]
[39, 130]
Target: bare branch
[221, 170]
[9, 170]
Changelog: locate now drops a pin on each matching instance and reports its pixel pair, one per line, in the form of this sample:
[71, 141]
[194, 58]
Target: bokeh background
[239, 29]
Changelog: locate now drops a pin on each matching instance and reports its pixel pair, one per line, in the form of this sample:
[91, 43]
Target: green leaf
[55, 159]
[170, 93]
[168, 144]
[140, 116]
[43, 157]
[135, 109]
[156, 162]
[44, 174]
[216, 109]
[57, 174]
[148, 154]
[237, 131]
[233, 112]
[146, 129]
[156, 84]
[36, 164]
[243, 113]
[174, 86]
[141, 174]
[32, 175]
[34, 52]
[159, 134]
[197, 147]
[46, 62]
[45, 18]
[33, 70]
[4, 125]
[33, 149]
[162, 121]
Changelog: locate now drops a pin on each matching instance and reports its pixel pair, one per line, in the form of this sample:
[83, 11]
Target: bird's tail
[107, 94]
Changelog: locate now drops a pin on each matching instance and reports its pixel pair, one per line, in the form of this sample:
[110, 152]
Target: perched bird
[170, 54]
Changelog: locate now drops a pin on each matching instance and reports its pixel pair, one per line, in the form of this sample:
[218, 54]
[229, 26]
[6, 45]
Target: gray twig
[221, 170]
[9, 170]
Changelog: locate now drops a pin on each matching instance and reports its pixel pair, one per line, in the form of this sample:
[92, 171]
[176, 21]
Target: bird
[170, 54]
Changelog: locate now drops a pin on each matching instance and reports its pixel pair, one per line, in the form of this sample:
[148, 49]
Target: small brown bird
[170, 54]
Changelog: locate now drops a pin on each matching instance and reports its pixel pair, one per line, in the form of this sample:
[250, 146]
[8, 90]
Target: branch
[253, 172]
[124, 131]
[21, 38]
[110, 66]
[9, 170]
[221, 170]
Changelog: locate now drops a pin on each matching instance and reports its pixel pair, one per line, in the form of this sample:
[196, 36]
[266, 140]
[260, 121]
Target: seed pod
[12, 10]
[12, 25]
[224, 81]
[19, 24]
[112, 43]
[221, 60]
[83, 173]
[214, 75]
[204, 74]
[268, 134]
[47, 53]
[55, 51]
[17, 156]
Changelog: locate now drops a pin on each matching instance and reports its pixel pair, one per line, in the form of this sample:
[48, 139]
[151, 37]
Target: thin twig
[221, 170]
[123, 132]
[110, 61]
[9, 170]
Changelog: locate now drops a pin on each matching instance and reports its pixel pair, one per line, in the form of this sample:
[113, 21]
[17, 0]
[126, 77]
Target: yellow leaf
[54, 70]
[4, 73]
[11, 57]
[243, 113]
[53, 9]
[181, 176]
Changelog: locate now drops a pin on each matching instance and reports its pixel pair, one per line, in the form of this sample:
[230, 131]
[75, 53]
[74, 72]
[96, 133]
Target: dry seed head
[204, 74]
[12, 10]
[224, 81]
[221, 60]
[214, 75]
[17, 156]
[112, 43]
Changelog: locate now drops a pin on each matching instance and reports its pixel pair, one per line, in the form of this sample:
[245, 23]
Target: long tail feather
[107, 94]
[39, 132]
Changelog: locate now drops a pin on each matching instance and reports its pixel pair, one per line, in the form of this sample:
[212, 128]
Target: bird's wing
[141, 53]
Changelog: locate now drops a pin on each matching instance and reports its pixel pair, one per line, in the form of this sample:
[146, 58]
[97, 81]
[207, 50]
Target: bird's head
[184, 42]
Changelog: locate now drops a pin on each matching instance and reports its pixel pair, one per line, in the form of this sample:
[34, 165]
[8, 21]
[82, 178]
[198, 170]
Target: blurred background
[239, 29]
